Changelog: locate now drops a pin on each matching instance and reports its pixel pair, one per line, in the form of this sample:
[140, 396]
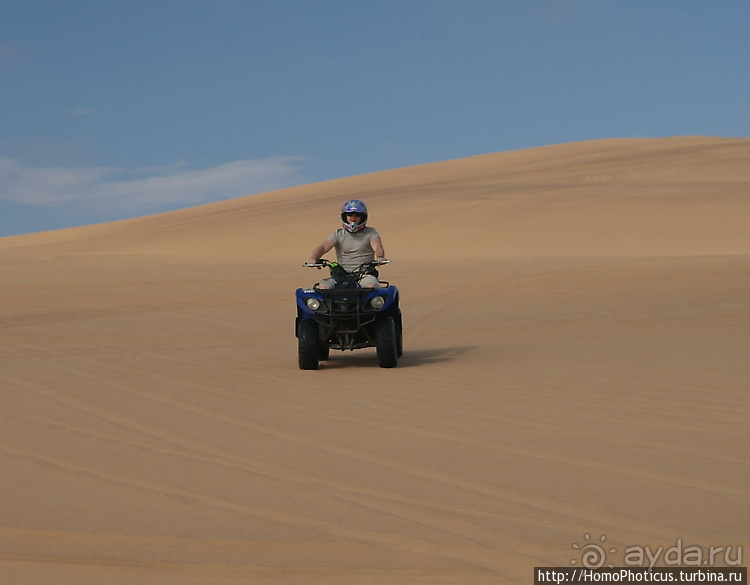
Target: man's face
[354, 217]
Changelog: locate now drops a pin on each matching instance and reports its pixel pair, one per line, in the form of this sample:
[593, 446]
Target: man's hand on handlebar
[315, 263]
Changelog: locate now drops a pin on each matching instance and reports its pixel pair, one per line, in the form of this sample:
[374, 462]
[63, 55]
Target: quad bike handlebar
[362, 268]
[348, 278]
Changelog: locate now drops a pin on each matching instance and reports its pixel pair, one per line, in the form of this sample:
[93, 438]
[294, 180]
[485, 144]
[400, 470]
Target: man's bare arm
[320, 250]
[377, 246]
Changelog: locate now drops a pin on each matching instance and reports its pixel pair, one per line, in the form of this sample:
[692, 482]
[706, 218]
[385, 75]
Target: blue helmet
[354, 206]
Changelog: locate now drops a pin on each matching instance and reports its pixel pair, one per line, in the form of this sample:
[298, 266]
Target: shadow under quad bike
[348, 317]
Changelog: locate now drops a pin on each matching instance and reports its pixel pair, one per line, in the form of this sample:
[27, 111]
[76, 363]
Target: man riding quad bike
[348, 316]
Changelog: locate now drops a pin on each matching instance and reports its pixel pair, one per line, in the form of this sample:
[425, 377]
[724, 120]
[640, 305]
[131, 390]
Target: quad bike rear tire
[323, 351]
[386, 343]
[399, 336]
[308, 345]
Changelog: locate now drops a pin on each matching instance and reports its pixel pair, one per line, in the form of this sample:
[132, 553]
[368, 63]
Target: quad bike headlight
[377, 302]
[313, 304]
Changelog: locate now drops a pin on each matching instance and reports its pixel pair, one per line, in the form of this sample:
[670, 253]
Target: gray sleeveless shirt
[353, 249]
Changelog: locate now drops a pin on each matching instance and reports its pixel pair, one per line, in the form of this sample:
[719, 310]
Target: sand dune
[576, 341]
[675, 196]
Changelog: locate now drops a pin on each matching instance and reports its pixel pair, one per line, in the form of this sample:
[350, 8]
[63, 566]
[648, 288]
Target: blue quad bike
[348, 317]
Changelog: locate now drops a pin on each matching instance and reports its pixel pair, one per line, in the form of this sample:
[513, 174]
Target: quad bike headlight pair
[376, 303]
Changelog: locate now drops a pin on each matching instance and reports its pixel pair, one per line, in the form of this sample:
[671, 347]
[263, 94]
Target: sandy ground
[577, 324]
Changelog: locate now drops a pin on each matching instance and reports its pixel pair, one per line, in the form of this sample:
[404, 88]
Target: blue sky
[114, 109]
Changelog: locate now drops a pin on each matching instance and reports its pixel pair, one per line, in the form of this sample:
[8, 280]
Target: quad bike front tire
[308, 345]
[386, 343]
[323, 351]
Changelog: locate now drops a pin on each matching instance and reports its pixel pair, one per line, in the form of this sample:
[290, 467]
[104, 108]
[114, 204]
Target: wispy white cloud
[115, 191]
[47, 151]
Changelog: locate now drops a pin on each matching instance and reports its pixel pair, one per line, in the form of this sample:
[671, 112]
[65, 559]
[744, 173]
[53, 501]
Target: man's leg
[369, 281]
